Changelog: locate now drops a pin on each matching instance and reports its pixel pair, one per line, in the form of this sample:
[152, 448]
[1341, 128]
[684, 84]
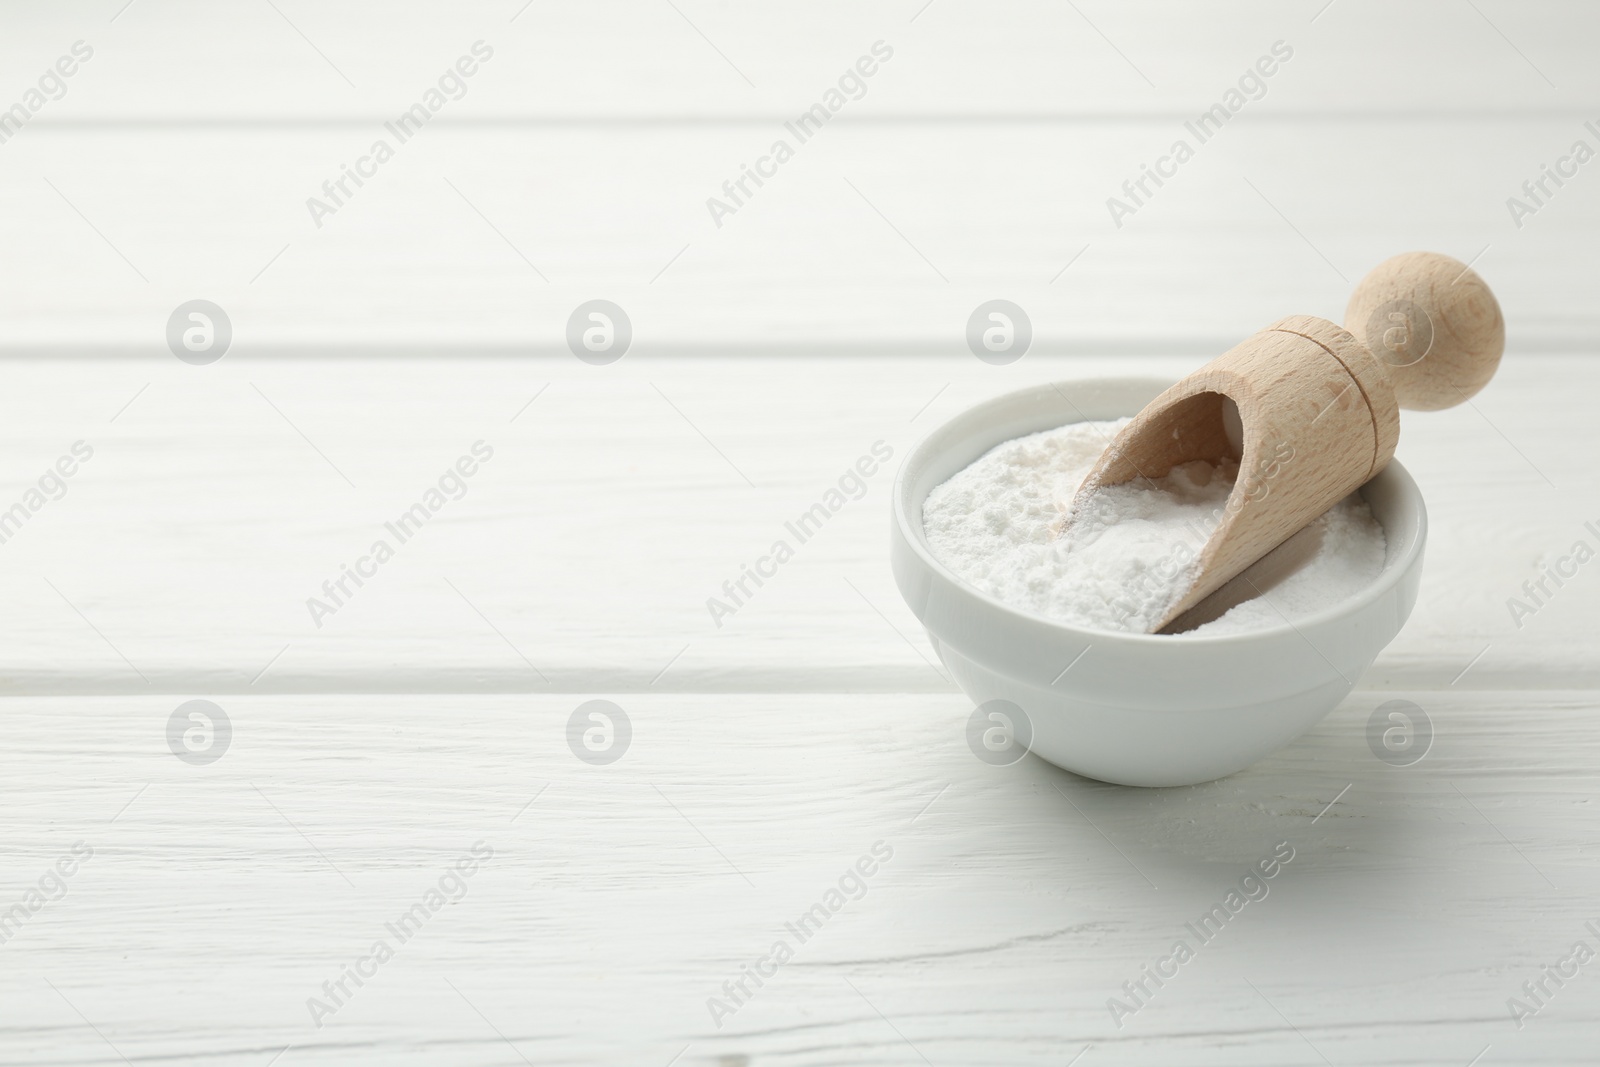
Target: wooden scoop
[1310, 410]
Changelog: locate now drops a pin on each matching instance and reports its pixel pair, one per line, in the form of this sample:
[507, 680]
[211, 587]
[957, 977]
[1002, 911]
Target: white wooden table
[429, 713]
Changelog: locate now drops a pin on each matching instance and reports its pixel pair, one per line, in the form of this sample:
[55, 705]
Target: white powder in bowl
[1129, 554]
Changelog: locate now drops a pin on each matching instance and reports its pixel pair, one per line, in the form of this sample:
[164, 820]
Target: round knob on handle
[1432, 325]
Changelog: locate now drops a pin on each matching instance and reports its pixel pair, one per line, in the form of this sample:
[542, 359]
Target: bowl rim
[914, 536]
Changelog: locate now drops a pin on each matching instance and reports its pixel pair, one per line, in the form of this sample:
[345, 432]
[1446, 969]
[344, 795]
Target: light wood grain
[1017, 900]
[186, 60]
[1307, 389]
[770, 353]
[873, 238]
[1306, 437]
[594, 538]
[981, 161]
[1434, 326]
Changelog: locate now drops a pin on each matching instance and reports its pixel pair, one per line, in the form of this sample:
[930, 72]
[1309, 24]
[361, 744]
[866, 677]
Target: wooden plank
[189, 60]
[619, 898]
[582, 555]
[431, 710]
[874, 237]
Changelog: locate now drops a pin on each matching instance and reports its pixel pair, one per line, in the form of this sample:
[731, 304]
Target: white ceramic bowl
[1141, 709]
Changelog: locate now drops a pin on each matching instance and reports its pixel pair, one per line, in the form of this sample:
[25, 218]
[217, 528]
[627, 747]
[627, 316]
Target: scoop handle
[1432, 326]
[1313, 399]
